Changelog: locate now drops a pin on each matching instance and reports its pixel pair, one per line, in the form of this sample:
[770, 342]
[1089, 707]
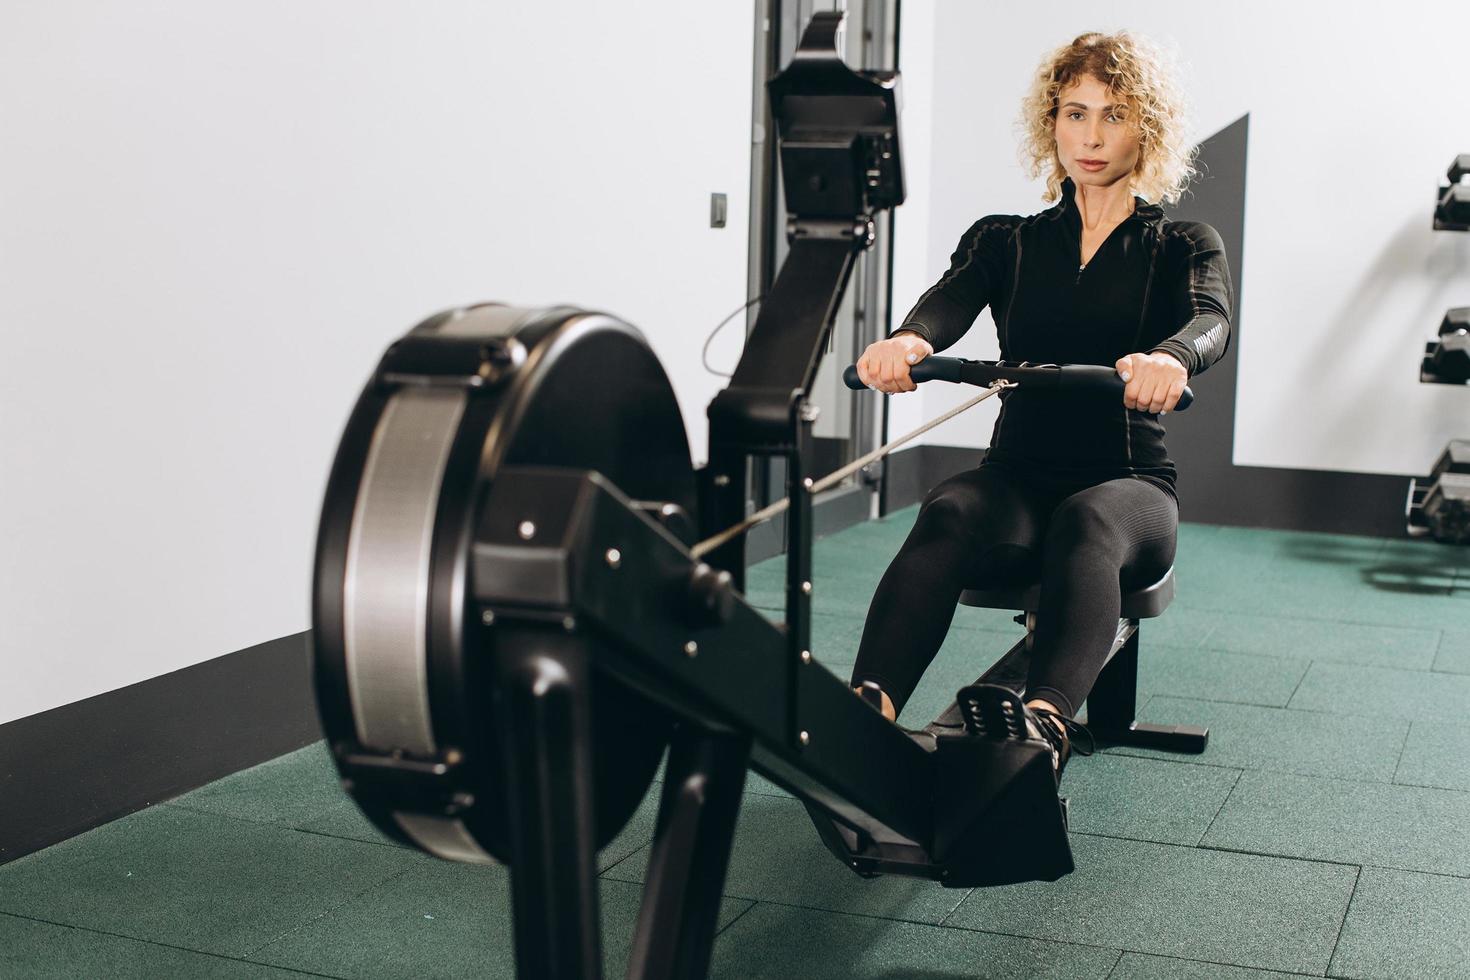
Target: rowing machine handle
[959, 370]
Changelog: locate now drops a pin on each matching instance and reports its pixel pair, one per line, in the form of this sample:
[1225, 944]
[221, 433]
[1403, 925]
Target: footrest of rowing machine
[997, 821]
[1169, 738]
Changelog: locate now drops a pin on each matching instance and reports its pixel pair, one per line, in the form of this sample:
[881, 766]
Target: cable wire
[837, 476]
[704, 354]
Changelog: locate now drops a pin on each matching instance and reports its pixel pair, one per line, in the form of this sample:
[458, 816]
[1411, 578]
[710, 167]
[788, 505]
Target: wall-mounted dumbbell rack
[1439, 504]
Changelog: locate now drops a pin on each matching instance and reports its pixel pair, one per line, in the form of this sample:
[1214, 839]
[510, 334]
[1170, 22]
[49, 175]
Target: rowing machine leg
[544, 728]
[1114, 700]
[690, 855]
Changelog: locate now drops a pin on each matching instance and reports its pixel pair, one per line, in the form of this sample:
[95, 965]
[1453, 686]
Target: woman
[1077, 491]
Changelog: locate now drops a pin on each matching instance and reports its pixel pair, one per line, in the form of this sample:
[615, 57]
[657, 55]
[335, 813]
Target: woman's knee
[1123, 530]
[1082, 518]
[978, 520]
[948, 508]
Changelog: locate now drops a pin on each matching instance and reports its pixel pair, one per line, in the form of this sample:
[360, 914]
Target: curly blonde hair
[1138, 75]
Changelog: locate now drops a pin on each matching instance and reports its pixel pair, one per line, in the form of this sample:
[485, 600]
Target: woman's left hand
[1155, 381]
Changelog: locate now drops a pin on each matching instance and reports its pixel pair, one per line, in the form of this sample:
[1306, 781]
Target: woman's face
[1097, 144]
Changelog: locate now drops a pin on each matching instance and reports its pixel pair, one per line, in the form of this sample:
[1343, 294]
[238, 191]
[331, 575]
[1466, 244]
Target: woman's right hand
[885, 365]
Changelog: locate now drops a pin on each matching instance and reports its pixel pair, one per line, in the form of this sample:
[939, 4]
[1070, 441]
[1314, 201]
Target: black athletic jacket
[1153, 285]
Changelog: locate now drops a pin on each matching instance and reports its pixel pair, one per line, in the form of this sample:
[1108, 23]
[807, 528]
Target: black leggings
[989, 526]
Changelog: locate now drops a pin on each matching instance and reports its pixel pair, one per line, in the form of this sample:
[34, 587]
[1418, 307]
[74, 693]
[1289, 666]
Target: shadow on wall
[1415, 253]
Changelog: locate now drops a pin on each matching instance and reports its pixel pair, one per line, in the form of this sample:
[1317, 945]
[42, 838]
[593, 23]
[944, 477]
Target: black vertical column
[543, 717]
[690, 855]
[799, 585]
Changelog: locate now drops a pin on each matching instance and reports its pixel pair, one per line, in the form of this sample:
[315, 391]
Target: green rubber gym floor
[1326, 831]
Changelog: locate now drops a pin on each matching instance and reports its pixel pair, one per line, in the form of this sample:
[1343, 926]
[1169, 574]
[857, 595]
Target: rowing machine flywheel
[402, 647]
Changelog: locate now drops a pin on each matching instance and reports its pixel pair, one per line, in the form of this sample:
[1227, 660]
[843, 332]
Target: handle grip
[929, 369]
[1069, 377]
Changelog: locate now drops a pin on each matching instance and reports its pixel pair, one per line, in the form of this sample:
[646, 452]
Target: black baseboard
[78, 766]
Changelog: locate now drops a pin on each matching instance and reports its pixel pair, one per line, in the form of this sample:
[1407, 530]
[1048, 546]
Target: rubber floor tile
[1181, 625]
[1426, 551]
[839, 600]
[835, 639]
[1404, 827]
[861, 557]
[1384, 693]
[1144, 799]
[42, 951]
[840, 586]
[1290, 599]
[1390, 608]
[893, 527]
[1317, 547]
[194, 880]
[777, 857]
[857, 578]
[443, 920]
[1245, 542]
[346, 820]
[291, 790]
[1406, 576]
[773, 942]
[1328, 550]
[1350, 568]
[826, 601]
[1217, 591]
[1236, 909]
[1279, 636]
[1141, 966]
[1217, 675]
[636, 833]
[761, 786]
[1436, 754]
[1405, 926]
[1195, 531]
[1282, 740]
[1453, 655]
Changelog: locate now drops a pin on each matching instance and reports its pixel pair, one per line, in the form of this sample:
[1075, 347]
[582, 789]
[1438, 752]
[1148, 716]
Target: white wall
[1353, 120]
[214, 217]
[912, 273]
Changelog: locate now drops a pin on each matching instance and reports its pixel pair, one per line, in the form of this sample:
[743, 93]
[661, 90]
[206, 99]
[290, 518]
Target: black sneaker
[993, 711]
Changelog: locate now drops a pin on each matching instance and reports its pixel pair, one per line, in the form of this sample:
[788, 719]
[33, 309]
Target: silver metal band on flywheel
[388, 571]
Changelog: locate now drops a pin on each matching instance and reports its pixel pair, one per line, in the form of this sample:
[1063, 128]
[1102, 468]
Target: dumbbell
[1446, 504]
[1452, 203]
[1447, 360]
